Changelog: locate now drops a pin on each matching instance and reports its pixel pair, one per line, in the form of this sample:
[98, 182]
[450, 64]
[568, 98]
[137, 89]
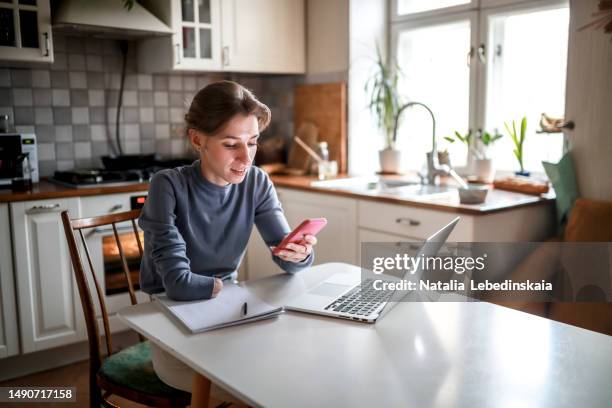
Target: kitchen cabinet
[9, 340]
[419, 223]
[25, 31]
[50, 313]
[264, 36]
[352, 221]
[337, 242]
[195, 44]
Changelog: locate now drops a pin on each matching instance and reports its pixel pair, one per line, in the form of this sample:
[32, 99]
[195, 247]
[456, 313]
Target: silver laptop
[341, 296]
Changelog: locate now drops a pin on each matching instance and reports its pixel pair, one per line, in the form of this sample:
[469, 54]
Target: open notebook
[227, 309]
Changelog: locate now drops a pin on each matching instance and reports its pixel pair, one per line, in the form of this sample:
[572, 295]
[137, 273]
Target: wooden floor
[76, 375]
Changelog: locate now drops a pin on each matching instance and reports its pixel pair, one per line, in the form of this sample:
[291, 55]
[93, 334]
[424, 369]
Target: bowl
[473, 194]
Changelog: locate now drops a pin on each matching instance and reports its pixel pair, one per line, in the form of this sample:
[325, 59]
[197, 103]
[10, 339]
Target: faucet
[434, 169]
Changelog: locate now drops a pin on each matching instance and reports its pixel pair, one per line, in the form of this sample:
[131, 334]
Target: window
[526, 77]
[433, 59]
[477, 69]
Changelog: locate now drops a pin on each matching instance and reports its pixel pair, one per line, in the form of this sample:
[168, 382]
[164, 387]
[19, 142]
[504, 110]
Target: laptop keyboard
[362, 300]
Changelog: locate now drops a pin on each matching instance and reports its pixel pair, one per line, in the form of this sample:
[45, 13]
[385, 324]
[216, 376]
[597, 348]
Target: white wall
[589, 102]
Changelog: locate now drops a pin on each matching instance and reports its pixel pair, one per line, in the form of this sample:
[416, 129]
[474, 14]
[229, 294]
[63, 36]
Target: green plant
[467, 138]
[384, 100]
[487, 139]
[128, 4]
[518, 140]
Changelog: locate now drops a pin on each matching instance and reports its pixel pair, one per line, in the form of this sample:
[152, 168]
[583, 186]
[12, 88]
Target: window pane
[417, 6]
[7, 28]
[204, 11]
[28, 2]
[187, 10]
[527, 77]
[434, 63]
[205, 43]
[188, 42]
[29, 28]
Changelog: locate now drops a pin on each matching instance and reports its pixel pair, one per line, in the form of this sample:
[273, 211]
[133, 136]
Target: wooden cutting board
[325, 106]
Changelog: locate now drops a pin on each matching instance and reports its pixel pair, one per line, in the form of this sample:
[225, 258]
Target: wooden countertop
[47, 190]
[497, 200]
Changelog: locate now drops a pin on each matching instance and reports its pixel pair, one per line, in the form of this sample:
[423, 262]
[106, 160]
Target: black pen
[244, 309]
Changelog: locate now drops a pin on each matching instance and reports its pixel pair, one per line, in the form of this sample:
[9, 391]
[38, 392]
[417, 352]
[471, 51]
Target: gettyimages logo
[411, 264]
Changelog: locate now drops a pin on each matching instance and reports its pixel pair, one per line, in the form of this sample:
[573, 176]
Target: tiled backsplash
[71, 104]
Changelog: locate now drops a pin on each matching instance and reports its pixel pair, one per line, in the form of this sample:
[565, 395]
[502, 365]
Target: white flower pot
[484, 170]
[390, 160]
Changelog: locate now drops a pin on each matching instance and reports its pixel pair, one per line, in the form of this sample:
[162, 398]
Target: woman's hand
[298, 252]
[217, 288]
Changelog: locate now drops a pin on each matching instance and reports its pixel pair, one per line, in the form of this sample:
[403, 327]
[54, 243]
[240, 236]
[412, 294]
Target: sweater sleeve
[166, 245]
[272, 224]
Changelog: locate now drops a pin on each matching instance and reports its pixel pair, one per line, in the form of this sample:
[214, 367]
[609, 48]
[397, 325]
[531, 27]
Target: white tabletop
[420, 354]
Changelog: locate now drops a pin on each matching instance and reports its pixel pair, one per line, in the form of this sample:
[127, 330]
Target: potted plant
[518, 140]
[484, 168]
[384, 103]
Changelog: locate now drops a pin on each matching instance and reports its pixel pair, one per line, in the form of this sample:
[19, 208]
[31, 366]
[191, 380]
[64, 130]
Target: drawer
[106, 204]
[411, 222]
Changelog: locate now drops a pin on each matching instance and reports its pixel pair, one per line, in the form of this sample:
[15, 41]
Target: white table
[419, 355]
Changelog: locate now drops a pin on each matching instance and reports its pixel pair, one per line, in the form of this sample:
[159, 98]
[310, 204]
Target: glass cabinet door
[21, 35]
[197, 31]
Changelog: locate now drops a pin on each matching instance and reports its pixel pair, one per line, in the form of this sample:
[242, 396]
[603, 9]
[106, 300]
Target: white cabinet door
[196, 34]
[50, 313]
[337, 242]
[8, 311]
[25, 31]
[195, 44]
[263, 36]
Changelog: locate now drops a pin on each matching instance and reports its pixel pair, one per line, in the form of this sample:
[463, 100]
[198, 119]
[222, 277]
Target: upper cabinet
[265, 36]
[25, 30]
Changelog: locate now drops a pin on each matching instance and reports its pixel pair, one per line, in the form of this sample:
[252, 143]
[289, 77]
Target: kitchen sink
[383, 186]
[362, 183]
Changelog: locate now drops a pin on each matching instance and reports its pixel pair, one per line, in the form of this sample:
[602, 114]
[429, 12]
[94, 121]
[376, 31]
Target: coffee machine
[18, 158]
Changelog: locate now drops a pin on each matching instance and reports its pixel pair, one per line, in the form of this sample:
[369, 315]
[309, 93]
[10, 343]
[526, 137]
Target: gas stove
[87, 178]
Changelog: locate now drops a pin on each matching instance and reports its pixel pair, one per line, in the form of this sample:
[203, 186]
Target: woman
[198, 219]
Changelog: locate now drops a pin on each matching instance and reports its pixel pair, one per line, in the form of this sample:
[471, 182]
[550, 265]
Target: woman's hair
[214, 106]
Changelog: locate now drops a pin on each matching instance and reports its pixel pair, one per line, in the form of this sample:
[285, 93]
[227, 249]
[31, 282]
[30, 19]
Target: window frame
[479, 13]
[396, 18]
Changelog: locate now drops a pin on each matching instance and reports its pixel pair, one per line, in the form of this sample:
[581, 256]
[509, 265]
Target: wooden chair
[128, 373]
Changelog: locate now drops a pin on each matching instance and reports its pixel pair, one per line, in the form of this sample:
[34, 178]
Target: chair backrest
[71, 227]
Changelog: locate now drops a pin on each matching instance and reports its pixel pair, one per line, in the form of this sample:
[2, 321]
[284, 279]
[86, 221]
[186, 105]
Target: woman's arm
[165, 245]
[272, 224]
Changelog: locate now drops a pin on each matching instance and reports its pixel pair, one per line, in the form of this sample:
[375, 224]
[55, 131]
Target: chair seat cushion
[132, 368]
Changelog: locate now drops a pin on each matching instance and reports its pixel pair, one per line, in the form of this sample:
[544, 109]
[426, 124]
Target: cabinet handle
[408, 221]
[47, 45]
[45, 208]
[225, 56]
[115, 208]
[178, 53]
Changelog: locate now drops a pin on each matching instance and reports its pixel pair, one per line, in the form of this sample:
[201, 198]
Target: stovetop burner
[83, 178]
[93, 177]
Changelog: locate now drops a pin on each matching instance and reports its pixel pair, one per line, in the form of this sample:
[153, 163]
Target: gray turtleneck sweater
[194, 229]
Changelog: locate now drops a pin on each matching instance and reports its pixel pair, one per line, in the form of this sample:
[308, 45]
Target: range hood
[106, 19]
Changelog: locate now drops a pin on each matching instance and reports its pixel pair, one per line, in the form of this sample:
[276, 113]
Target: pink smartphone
[307, 227]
